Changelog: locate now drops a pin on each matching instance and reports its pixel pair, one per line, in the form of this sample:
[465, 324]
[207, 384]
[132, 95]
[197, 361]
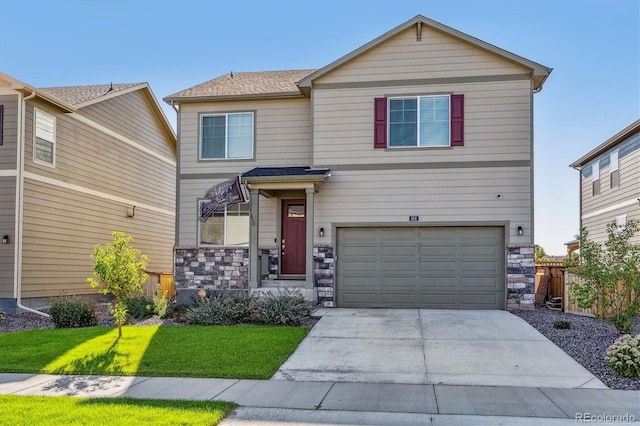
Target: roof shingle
[246, 83]
[74, 95]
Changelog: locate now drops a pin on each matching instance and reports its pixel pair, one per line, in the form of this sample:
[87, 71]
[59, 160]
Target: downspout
[21, 141]
[177, 200]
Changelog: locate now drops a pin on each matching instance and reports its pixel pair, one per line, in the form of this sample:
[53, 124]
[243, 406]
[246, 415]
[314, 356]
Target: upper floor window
[419, 121]
[44, 144]
[595, 178]
[226, 136]
[614, 173]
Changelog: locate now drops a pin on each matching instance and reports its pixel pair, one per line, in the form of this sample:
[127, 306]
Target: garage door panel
[360, 298]
[478, 266]
[439, 267]
[440, 250]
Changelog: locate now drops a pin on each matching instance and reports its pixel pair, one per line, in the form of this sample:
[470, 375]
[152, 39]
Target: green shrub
[72, 312]
[160, 303]
[284, 308]
[562, 324]
[177, 312]
[623, 356]
[140, 307]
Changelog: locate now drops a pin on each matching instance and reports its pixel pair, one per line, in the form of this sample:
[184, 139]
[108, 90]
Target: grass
[43, 410]
[239, 351]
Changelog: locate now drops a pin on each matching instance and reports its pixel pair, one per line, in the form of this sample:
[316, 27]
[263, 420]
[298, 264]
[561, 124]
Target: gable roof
[276, 84]
[72, 98]
[75, 95]
[614, 140]
[540, 72]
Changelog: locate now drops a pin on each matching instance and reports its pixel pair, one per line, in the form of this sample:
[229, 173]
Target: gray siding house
[610, 183]
[400, 175]
[76, 164]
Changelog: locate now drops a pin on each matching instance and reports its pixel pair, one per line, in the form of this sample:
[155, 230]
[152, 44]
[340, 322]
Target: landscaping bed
[586, 341]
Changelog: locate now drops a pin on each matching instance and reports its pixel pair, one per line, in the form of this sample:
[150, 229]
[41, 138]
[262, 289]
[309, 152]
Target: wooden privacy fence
[549, 281]
[158, 278]
[568, 303]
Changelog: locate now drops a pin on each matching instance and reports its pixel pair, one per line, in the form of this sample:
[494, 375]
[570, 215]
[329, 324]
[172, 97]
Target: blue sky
[593, 46]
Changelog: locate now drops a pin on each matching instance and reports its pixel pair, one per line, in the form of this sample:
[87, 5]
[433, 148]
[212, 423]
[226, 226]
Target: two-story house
[76, 164]
[400, 175]
[610, 183]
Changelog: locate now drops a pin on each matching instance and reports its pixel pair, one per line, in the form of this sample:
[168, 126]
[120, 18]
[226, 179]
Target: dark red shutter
[457, 120]
[380, 123]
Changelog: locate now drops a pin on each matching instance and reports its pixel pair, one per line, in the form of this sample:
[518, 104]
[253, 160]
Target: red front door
[294, 235]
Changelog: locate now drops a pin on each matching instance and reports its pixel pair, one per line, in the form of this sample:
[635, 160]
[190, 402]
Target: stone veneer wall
[521, 273]
[211, 268]
[324, 272]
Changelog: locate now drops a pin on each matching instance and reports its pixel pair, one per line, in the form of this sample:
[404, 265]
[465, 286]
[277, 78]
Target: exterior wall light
[131, 212]
[5, 239]
[520, 230]
[321, 233]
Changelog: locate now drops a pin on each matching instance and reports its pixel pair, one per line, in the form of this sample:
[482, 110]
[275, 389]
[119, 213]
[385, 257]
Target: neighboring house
[400, 175]
[610, 183]
[76, 164]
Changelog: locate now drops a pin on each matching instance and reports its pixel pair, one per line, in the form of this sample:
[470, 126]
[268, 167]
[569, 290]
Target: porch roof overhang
[270, 179]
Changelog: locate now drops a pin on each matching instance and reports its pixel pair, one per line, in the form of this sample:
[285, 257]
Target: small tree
[539, 253]
[610, 275]
[119, 270]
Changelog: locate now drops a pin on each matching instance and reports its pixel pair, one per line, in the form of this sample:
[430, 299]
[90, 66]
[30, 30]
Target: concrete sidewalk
[267, 402]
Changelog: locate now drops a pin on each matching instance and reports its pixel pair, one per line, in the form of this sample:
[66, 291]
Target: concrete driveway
[427, 346]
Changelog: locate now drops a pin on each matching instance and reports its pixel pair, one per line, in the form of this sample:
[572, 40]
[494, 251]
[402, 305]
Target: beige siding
[133, 115]
[436, 56]
[62, 226]
[599, 210]
[89, 158]
[7, 226]
[497, 124]
[282, 135]
[442, 195]
[191, 190]
[9, 132]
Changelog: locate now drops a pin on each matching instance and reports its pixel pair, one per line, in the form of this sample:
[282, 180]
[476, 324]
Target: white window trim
[200, 244]
[37, 112]
[226, 136]
[417, 97]
[595, 170]
[617, 154]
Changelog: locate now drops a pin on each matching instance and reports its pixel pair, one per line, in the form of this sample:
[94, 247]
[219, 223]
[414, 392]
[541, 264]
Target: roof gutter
[17, 259]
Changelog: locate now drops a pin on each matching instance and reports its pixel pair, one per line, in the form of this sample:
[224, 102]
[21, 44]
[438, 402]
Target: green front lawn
[239, 351]
[43, 410]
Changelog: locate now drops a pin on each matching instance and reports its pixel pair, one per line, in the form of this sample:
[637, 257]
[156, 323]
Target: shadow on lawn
[105, 362]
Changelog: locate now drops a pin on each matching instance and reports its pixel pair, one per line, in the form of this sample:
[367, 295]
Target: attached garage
[421, 267]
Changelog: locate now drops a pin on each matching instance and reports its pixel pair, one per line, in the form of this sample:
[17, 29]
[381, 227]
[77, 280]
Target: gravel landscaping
[586, 341]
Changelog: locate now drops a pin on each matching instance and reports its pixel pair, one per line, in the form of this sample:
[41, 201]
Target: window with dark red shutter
[380, 123]
[457, 120]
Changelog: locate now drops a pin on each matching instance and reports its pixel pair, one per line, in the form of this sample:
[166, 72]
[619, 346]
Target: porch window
[226, 136]
[44, 141]
[227, 227]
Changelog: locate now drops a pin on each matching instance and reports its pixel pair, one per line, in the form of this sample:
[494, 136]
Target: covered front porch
[292, 264]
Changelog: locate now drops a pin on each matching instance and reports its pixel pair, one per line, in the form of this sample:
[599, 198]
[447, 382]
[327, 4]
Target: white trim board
[83, 190]
[121, 138]
[611, 208]
[8, 173]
